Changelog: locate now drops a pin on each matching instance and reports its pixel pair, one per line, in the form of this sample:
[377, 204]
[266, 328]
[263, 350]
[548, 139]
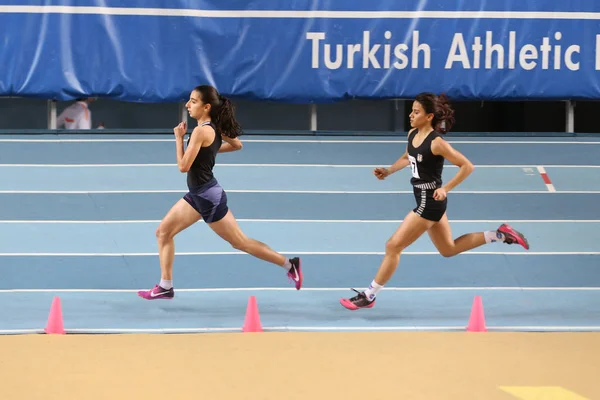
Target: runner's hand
[381, 173]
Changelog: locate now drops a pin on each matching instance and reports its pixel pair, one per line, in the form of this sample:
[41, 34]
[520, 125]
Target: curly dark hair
[439, 106]
[222, 111]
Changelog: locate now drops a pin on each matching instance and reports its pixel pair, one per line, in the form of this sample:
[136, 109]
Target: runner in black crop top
[426, 167]
[430, 116]
[201, 171]
[206, 199]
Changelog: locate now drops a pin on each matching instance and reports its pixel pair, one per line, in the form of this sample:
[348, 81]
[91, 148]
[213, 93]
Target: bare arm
[440, 147]
[382, 173]
[185, 159]
[402, 162]
[230, 144]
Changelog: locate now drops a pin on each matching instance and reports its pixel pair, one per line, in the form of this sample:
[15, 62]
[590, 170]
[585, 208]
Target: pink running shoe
[157, 293]
[512, 236]
[295, 273]
[358, 301]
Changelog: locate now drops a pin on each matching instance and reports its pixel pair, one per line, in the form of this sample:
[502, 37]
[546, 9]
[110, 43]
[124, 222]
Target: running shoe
[512, 236]
[295, 273]
[358, 301]
[157, 293]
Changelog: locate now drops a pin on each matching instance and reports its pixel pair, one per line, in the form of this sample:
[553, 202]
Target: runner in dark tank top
[431, 118]
[217, 132]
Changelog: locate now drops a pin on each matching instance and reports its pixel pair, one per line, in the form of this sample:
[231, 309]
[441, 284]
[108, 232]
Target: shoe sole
[343, 302]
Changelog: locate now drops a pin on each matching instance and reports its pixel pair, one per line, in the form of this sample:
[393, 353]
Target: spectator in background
[77, 115]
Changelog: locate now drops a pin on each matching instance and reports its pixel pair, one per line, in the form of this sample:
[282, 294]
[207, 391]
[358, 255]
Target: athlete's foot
[295, 273]
[512, 236]
[358, 301]
[157, 293]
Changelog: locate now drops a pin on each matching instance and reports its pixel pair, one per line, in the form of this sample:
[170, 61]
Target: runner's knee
[394, 246]
[447, 252]
[240, 242]
[163, 233]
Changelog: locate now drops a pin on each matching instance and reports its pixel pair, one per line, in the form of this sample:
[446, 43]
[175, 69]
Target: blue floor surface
[87, 234]
[287, 237]
[304, 206]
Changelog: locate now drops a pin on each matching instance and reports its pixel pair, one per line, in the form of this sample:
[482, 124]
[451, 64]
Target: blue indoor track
[78, 216]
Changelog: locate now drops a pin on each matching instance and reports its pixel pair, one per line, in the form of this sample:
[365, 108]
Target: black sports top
[201, 170]
[426, 167]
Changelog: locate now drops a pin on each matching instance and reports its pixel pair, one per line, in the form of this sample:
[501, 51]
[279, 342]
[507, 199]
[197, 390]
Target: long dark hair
[439, 106]
[222, 111]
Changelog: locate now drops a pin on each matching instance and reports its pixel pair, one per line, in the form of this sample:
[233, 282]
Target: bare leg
[441, 236]
[228, 229]
[179, 217]
[409, 231]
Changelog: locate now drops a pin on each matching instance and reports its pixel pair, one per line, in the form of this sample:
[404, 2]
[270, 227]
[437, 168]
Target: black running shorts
[427, 207]
[210, 200]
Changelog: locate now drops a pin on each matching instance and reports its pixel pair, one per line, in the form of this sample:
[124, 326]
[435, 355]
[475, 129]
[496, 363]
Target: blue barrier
[318, 51]
[20, 134]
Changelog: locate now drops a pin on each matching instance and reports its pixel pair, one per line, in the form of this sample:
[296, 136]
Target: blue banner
[300, 52]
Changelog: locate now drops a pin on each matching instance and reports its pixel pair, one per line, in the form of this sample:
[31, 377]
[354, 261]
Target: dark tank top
[201, 170]
[426, 167]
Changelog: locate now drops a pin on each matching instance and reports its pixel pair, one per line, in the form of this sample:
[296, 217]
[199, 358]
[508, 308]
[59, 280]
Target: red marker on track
[546, 179]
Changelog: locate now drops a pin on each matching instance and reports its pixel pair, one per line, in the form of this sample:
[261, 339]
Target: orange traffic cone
[252, 320]
[55, 319]
[477, 319]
